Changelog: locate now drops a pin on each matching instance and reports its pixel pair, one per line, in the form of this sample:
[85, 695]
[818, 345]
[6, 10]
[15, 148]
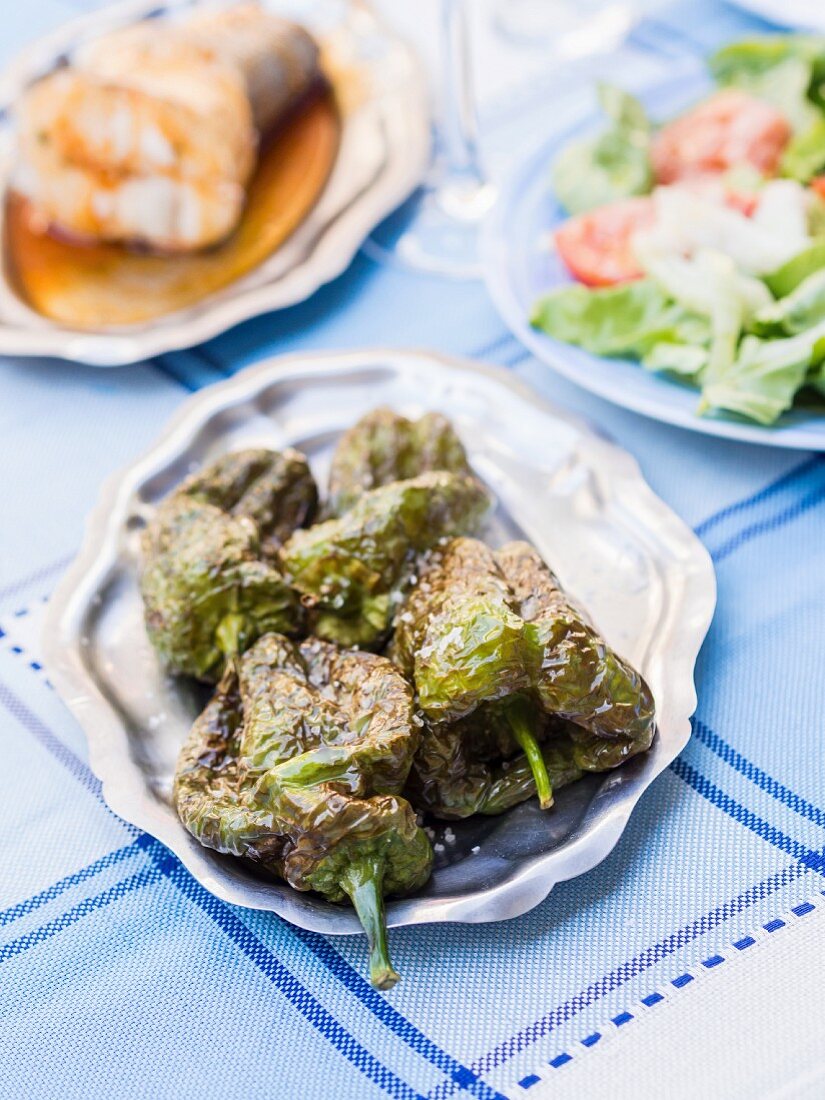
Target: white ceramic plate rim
[108, 739]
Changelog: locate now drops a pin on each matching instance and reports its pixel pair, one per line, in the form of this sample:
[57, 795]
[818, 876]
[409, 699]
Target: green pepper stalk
[463, 643]
[460, 768]
[363, 883]
[209, 583]
[518, 716]
[297, 764]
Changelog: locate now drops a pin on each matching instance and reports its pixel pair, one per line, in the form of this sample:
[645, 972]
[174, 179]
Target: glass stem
[464, 177]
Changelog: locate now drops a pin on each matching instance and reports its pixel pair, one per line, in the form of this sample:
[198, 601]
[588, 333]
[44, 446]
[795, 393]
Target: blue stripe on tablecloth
[391, 1018]
[54, 745]
[814, 861]
[23, 908]
[282, 978]
[83, 908]
[192, 376]
[624, 973]
[205, 353]
[770, 523]
[284, 981]
[165, 366]
[765, 493]
[680, 982]
[755, 774]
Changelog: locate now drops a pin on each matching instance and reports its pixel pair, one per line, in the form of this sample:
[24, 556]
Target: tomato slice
[745, 202]
[597, 247]
[818, 186]
[728, 129]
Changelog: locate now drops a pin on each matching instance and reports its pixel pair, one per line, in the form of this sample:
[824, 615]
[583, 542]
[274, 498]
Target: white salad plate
[643, 575]
[383, 154]
[521, 264]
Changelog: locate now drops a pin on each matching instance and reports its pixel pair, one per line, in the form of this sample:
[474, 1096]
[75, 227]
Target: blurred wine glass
[567, 29]
[437, 229]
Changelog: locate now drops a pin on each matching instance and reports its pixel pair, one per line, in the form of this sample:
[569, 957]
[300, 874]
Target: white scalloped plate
[384, 151]
[579, 498]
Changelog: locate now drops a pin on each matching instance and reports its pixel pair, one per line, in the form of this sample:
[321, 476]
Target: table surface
[688, 964]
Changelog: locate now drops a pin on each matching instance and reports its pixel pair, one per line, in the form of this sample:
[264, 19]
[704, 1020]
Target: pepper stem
[518, 715]
[228, 634]
[362, 881]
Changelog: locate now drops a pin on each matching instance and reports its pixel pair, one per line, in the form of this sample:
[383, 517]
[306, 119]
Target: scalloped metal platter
[384, 151]
[643, 575]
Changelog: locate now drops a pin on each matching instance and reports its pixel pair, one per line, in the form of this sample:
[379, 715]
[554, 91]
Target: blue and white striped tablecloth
[688, 964]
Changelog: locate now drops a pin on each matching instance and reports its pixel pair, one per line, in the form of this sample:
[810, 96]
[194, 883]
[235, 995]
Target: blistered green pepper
[574, 672]
[276, 489]
[384, 447]
[297, 763]
[209, 579]
[474, 766]
[352, 571]
[495, 649]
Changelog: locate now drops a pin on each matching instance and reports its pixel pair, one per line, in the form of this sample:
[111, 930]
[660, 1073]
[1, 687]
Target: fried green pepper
[209, 581]
[297, 763]
[468, 767]
[494, 647]
[276, 489]
[352, 571]
[574, 672]
[384, 447]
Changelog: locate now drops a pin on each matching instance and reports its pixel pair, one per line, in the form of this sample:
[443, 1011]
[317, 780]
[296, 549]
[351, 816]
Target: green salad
[698, 247]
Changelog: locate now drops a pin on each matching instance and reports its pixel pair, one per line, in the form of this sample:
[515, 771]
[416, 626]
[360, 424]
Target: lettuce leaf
[804, 156]
[614, 165]
[752, 57]
[686, 361]
[630, 319]
[762, 381]
[693, 283]
[803, 308]
[787, 278]
[785, 86]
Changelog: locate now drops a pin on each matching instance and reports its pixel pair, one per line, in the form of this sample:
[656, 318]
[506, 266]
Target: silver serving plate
[644, 576]
[383, 154]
